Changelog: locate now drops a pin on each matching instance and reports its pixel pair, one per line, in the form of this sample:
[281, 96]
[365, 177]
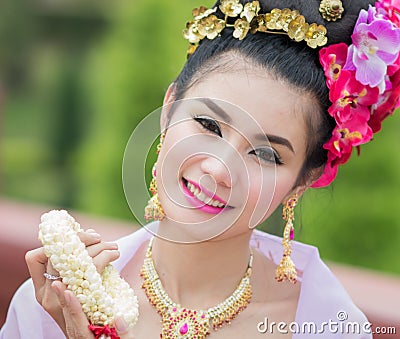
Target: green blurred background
[77, 76]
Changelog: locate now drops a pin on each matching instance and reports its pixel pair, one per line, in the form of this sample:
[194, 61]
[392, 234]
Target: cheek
[176, 150]
[180, 155]
[267, 191]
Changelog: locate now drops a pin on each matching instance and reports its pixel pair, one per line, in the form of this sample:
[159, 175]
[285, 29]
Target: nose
[219, 170]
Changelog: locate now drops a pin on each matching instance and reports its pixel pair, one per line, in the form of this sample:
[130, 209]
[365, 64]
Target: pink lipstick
[204, 194]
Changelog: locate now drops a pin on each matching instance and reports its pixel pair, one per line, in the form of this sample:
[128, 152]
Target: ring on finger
[50, 276]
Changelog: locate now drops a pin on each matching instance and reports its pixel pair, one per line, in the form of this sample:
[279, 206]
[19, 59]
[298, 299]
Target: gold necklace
[183, 323]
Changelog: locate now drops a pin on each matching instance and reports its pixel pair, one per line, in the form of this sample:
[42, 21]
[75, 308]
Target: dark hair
[293, 62]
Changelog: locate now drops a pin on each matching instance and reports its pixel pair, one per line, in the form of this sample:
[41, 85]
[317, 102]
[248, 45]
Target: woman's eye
[267, 155]
[210, 125]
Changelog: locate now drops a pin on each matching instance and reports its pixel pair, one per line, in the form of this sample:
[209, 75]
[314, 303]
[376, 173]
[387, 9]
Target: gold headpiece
[331, 10]
[207, 25]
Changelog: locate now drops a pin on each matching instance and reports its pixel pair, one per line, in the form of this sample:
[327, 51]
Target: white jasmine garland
[103, 297]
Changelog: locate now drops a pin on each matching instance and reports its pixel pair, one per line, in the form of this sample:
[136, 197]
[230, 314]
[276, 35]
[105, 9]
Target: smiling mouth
[204, 200]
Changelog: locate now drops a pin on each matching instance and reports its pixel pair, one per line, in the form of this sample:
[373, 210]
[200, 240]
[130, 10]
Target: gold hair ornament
[286, 269]
[331, 10]
[206, 24]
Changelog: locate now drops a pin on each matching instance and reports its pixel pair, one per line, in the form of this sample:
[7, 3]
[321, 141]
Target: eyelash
[212, 126]
[206, 122]
[276, 158]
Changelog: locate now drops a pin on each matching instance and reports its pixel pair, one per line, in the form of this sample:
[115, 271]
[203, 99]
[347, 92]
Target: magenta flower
[340, 148]
[341, 144]
[376, 44]
[392, 69]
[387, 103]
[330, 173]
[351, 99]
[364, 83]
[332, 59]
[390, 9]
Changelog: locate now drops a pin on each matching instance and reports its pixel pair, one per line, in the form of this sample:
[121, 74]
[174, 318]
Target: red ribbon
[98, 331]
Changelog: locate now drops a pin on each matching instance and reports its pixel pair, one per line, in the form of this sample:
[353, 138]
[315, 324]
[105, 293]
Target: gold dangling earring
[154, 210]
[286, 269]
[331, 10]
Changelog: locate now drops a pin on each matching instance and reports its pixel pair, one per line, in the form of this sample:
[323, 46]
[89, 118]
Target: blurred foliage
[76, 78]
[127, 75]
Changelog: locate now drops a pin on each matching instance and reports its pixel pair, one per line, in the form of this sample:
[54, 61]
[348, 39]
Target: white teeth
[202, 197]
[192, 188]
[208, 201]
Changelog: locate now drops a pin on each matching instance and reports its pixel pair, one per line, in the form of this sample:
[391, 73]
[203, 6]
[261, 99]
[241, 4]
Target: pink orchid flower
[364, 83]
[340, 148]
[395, 67]
[387, 103]
[344, 138]
[376, 44]
[350, 98]
[341, 144]
[332, 59]
[390, 9]
[329, 174]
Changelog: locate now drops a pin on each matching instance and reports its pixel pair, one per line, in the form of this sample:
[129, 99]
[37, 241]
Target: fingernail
[67, 297]
[121, 325]
[96, 235]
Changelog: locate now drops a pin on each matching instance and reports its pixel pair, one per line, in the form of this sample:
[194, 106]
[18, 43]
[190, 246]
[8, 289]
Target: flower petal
[349, 60]
[370, 72]
[389, 38]
[327, 177]
[362, 17]
[387, 57]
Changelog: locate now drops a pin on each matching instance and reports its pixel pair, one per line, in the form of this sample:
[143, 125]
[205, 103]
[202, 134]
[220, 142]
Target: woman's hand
[102, 253]
[76, 323]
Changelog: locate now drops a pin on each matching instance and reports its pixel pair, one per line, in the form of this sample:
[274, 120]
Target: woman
[252, 122]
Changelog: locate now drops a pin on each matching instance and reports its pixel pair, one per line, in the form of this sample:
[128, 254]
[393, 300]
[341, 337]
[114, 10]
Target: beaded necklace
[183, 323]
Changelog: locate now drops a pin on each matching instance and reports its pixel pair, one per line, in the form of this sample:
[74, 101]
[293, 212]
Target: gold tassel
[286, 269]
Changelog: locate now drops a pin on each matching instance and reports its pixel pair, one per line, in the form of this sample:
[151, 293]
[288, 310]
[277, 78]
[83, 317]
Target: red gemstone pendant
[182, 323]
[184, 329]
[291, 233]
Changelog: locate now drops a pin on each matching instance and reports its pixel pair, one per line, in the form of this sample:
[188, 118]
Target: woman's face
[232, 153]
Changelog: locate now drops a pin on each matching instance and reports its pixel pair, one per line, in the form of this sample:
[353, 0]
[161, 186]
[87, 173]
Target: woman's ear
[315, 174]
[169, 98]
[295, 192]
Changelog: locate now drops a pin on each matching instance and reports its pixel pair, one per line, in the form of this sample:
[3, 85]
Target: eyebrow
[215, 108]
[274, 139]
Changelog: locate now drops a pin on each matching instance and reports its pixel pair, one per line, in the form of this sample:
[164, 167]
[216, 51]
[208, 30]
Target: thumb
[123, 330]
